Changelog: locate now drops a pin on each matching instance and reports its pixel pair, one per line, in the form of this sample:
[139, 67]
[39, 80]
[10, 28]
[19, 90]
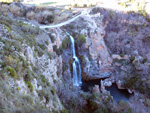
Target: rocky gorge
[36, 63]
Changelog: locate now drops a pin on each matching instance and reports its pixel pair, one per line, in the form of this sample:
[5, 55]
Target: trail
[66, 22]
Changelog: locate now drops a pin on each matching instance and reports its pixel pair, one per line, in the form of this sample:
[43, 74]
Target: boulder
[115, 56]
[119, 82]
[96, 89]
[103, 90]
[107, 82]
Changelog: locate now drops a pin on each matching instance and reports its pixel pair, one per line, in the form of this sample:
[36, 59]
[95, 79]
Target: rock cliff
[29, 68]
[93, 53]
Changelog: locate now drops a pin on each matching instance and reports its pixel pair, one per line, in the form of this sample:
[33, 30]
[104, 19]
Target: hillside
[58, 60]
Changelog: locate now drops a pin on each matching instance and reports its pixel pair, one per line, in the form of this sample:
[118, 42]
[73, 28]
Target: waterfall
[76, 64]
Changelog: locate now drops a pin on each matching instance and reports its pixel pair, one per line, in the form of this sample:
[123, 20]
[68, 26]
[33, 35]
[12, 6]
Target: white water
[76, 64]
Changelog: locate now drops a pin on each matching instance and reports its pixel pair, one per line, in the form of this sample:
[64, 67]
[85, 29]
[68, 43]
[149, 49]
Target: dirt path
[84, 12]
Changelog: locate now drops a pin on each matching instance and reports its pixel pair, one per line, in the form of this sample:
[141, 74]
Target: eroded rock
[94, 51]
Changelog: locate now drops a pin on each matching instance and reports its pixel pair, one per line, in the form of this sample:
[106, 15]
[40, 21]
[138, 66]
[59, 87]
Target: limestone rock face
[94, 51]
[36, 67]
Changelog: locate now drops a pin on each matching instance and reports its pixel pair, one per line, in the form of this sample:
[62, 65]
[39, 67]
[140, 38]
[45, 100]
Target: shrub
[58, 51]
[11, 61]
[30, 86]
[144, 60]
[44, 80]
[55, 47]
[52, 38]
[54, 80]
[83, 61]
[18, 88]
[8, 1]
[30, 29]
[42, 46]
[5, 23]
[147, 102]
[130, 82]
[123, 106]
[50, 54]
[28, 77]
[31, 15]
[65, 43]
[15, 10]
[4, 9]
[111, 15]
[48, 16]
[11, 71]
[64, 111]
[46, 42]
[122, 55]
[8, 29]
[65, 67]
[81, 40]
[132, 58]
[28, 98]
[53, 91]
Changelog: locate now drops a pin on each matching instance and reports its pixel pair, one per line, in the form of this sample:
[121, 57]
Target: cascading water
[76, 64]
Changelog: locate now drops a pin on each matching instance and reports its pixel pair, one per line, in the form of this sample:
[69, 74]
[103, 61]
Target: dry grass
[4, 9]
[15, 10]
[31, 15]
[46, 13]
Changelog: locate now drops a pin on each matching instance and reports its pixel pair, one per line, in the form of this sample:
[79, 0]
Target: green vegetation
[81, 40]
[30, 86]
[58, 50]
[42, 46]
[111, 14]
[8, 29]
[135, 82]
[83, 61]
[123, 4]
[5, 23]
[122, 55]
[53, 91]
[50, 18]
[124, 106]
[46, 42]
[132, 58]
[65, 67]
[43, 81]
[29, 29]
[64, 111]
[65, 43]
[9, 1]
[18, 88]
[11, 71]
[15, 63]
[144, 60]
[50, 54]
[52, 38]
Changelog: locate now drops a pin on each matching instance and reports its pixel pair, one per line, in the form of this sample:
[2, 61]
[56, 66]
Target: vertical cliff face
[92, 51]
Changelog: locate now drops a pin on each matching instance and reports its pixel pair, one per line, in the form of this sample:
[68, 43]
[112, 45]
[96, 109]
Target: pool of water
[87, 85]
[118, 94]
